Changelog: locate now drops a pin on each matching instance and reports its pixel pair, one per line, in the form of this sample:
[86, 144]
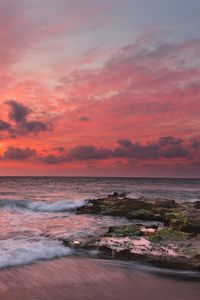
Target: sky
[100, 88]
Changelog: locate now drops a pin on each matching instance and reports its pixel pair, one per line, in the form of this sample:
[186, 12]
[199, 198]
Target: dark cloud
[5, 126]
[195, 143]
[19, 154]
[19, 117]
[32, 126]
[170, 147]
[52, 159]
[84, 119]
[87, 152]
[18, 112]
[59, 149]
[167, 147]
[131, 151]
[82, 152]
[125, 142]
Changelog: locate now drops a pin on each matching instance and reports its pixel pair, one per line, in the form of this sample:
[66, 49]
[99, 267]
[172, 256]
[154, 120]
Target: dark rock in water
[153, 226]
[187, 220]
[66, 242]
[124, 254]
[115, 206]
[181, 216]
[115, 194]
[197, 204]
[175, 245]
[176, 253]
[82, 243]
[144, 215]
[161, 202]
[107, 250]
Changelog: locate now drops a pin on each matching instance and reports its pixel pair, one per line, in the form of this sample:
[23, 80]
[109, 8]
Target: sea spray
[41, 206]
[21, 251]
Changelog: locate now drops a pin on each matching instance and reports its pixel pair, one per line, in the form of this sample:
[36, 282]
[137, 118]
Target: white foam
[15, 252]
[41, 206]
[134, 195]
[58, 206]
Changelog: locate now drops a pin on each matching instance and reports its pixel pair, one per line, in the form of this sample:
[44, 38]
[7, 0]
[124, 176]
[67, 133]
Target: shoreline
[88, 279]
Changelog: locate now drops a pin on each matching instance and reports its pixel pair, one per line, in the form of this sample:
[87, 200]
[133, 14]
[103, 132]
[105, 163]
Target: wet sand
[91, 279]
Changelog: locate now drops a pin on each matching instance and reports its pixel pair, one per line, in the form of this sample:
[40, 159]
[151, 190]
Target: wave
[15, 252]
[41, 206]
[133, 195]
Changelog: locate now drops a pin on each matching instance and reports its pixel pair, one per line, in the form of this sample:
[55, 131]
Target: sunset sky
[100, 87]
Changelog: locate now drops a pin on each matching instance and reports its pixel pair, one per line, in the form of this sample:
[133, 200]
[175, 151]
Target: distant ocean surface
[36, 213]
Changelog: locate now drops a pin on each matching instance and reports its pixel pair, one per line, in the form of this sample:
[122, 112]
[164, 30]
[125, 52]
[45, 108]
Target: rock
[161, 202]
[106, 250]
[126, 230]
[82, 243]
[184, 220]
[180, 216]
[197, 204]
[144, 215]
[112, 205]
[175, 249]
[115, 195]
[175, 245]
[123, 254]
[165, 255]
[147, 231]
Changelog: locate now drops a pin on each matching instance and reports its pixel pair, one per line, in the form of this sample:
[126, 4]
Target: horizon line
[84, 176]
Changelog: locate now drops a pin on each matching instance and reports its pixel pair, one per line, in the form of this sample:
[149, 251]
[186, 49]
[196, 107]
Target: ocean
[36, 213]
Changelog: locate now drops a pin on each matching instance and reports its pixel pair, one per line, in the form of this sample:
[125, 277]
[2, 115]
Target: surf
[41, 206]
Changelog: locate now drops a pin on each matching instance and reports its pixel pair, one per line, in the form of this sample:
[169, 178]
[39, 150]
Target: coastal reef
[175, 242]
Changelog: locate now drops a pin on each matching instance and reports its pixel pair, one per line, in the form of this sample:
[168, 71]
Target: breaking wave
[15, 252]
[41, 206]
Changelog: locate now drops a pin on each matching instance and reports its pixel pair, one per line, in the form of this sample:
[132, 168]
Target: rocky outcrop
[185, 219]
[120, 205]
[174, 244]
[181, 216]
[162, 246]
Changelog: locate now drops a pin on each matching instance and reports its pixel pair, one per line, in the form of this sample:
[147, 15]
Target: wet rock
[115, 194]
[147, 231]
[144, 215]
[123, 254]
[197, 204]
[175, 245]
[115, 205]
[166, 203]
[170, 249]
[106, 250]
[182, 216]
[184, 220]
[126, 230]
[82, 243]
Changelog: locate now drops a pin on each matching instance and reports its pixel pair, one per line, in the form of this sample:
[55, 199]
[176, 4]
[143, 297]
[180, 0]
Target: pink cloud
[143, 91]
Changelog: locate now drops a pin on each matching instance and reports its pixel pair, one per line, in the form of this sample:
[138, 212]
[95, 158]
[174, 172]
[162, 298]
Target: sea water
[37, 213]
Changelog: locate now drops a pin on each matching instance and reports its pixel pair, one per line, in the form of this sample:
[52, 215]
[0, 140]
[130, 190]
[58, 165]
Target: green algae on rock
[175, 244]
[180, 216]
